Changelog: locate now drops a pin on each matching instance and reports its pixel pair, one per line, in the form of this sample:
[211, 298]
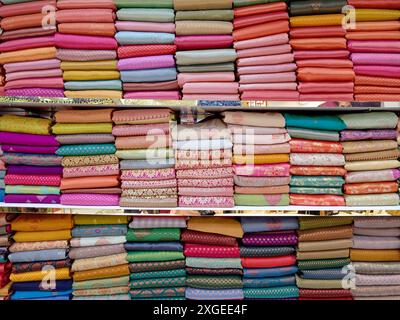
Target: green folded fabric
[313, 134]
[315, 190]
[307, 223]
[370, 120]
[205, 57]
[144, 3]
[271, 293]
[322, 264]
[159, 234]
[158, 283]
[86, 149]
[143, 256]
[206, 15]
[101, 283]
[213, 282]
[19, 189]
[146, 15]
[214, 263]
[261, 200]
[156, 293]
[317, 181]
[158, 274]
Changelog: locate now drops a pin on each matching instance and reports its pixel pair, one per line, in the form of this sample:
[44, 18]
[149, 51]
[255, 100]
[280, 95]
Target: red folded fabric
[376, 4]
[262, 30]
[377, 89]
[5, 267]
[268, 262]
[315, 32]
[377, 35]
[146, 50]
[328, 63]
[260, 8]
[27, 43]
[86, 4]
[87, 15]
[315, 74]
[89, 29]
[372, 81]
[319, 44]
[4, 279]
[190, 236]
[259, 19]
[327, 97]
[325, 293]
[203, 42]
[332, 87]
[320, 54]
[211, 251]
[24, 8]
[377, 97]
[21, 22]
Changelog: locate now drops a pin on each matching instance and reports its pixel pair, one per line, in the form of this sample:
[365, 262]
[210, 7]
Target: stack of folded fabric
[33, 168]
[41, 267]
[268, 258]
[2, 80]
[156, 258]
[100, 267]
[265, 60]
[2, 175]
[87, 48]
[204, 164]
[5, 265]
[316, 160]
[261, 158]
[376, 258]
[323, 257]
[147, 160]
[371, 150]
[374, 46]
[90, 167]
[325, 72]
[146, 34]
[205, 56]
[28, 50]
[213, 259]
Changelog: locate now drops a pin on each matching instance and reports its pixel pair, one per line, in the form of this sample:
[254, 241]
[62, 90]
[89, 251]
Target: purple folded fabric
[87, 199]
[28, 149]
[379, 71]
[12, 169]
[31, 198]
[35, 92]
[388, 59]
[389, 46]
[33, 65]
[69, 41]
[27, 43]
[30, 139]
[349, 135]
[150, 62]
[270, 239]
[53, 83]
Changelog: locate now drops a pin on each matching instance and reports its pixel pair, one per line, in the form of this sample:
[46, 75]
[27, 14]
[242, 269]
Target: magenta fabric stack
[27, 49]
[265, 60]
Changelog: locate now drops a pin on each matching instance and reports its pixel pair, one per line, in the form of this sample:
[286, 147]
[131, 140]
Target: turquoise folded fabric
[317, 181]
[94, 85]
[22, 295]
[214, 263]
[144, 3]
[2, 174]
[149, 75]
[329, 123]
[315, 190]
[370, 120]
[19, 189]
[269, 282]
[158, 274]
[86, 149]
[134, 37]
[150, 15]
[271, 293]
[313, 134]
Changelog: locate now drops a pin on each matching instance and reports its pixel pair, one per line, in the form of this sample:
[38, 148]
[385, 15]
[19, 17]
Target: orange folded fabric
[89, 182]
[371, 188]
[84, 116]
[259, 9]
[261, 30]
[317, 20]
[19, 9]
[317, 171]
[377, 35]
[315, 32]
[331, 63]
[28, 55]
[86, 4]
[102, 273]
[374, 255]
[90, 29]
[21, 22]
[376, 89]
[261, 159]
[143, 142]
[88, 15]
[376, 26]
[372, 81]
[377, 97]
[325, 74]
[319, 44]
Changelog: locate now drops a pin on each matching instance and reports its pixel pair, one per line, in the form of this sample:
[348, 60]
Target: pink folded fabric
[34, 74]
[383, 71]
[211, 251]
[27, 33]
[169, 183]
[264, 170]
[87, 15]
[206, 192]
[198, 42]
[32, 180]
[387, 46]
[264, 51]
[159, 95]
[140, 129]
[268, 78]
[86, 4]
[326, 97]
[90, 171]
[32, 65]
[276, 39]
[246, 21]
[268, 86]
[205, 77]
[275, 68]
[35, 92]
[54, 83]
[243, 149]
[87, 199]
[27, 43]
[332, 87]
[320, 54]
[145, 26]
[225, 97]
[149, 62]
[271, 95]
[85, 55]
[211, 87]
[69, 41]
[266, 60]
[390, 59]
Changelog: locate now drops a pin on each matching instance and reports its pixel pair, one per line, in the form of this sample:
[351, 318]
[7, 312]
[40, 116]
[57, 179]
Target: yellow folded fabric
[224, 226]
[28, 55]
[5, 291]
[317, 20]
[42, 222]
[89, 65]
[100, 94]
[90, 75]
[99, 262]
[11, 123]
[261, 159]
[23, 236]
[97, 219]
[374, 255]
[377, 15]
[304, 246]
[79, 128]
[101, 291]
[319, 283]
[371, 165]
[327, 254]
[102, 273]
[56, 274]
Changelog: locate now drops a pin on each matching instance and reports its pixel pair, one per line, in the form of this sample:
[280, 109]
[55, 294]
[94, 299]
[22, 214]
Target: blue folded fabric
[99, 230]
[86, 149]
[146, 14]
[261, 224]
[207, 294]
[321, 122]
[67, 297]
[330, 274]
[134, 37]
[154, 246]
[38, 255]
[59, 285]
[2, 174]
[269, 282]
[2, 184]
[94, 85]
[269, 272]
[149, 75]
[2, 194]
[39, 294]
